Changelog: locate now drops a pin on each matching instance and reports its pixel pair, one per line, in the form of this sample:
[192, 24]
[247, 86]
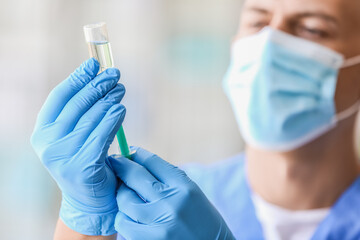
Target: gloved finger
[85, 99]
[91, 119]
[135, 208]
[98, 142]
[138, 178]
[126, 195]
[126, 227]
[127, 200]
[133, 230]
[70, 144]
[58, 97]
[159, 168]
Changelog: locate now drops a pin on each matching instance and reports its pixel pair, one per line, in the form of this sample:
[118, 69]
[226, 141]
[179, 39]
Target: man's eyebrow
[257, 10]
[321, 15]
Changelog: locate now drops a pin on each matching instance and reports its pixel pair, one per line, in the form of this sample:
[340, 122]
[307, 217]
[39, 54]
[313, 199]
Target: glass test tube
[97, 39]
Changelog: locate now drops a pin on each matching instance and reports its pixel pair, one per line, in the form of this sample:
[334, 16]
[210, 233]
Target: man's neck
[311, 177]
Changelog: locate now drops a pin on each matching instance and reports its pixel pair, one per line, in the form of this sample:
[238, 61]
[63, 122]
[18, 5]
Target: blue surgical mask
[282, 89]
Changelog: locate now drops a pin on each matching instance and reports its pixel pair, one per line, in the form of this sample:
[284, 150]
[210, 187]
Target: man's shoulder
[219, 176]
[343, 220]
[220, 168]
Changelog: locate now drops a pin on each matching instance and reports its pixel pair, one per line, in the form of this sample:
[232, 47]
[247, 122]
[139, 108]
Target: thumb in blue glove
[158, 201]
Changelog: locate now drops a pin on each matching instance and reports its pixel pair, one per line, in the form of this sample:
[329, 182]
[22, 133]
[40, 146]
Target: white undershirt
[282, 224]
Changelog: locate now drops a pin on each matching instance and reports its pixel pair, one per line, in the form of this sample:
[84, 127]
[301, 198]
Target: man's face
[332, 23]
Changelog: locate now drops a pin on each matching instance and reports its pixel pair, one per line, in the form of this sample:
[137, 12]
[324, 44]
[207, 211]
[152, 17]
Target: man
[294, 86]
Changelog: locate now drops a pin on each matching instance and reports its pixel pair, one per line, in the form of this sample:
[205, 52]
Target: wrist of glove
[88, 221]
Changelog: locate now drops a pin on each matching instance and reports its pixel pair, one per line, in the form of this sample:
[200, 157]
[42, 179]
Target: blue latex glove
[158, 201]
[72, 135]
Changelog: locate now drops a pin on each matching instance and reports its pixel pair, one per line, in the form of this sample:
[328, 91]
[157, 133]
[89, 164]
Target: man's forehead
[330, 5]
[294, 4]
[347, 10]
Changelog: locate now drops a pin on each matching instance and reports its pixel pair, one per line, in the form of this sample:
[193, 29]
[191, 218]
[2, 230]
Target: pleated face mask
[282, 89]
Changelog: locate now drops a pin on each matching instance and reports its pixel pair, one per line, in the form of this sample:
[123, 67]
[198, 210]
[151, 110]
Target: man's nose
[281, 23]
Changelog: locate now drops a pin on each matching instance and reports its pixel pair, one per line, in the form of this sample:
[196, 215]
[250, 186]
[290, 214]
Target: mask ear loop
[351, 62]
[356, 106]
[348, 112]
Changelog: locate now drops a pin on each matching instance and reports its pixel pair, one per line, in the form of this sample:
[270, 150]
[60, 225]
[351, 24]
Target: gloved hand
[72, 135]
[158, 201]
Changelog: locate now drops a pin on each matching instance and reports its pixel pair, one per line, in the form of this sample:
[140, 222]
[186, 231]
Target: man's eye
[258, 25]
[311, 32]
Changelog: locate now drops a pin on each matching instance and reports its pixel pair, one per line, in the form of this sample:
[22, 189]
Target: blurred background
[172, 56]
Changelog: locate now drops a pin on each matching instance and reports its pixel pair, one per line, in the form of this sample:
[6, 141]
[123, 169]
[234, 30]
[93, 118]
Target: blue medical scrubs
[225, 184]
